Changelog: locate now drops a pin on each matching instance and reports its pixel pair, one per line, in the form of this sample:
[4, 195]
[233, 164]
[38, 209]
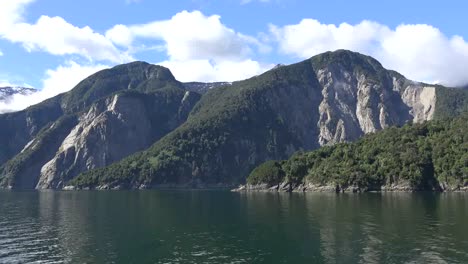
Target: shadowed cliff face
[146, 129]
[19, 128]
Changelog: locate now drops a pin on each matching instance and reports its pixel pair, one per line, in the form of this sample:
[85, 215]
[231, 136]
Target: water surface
[225, 227]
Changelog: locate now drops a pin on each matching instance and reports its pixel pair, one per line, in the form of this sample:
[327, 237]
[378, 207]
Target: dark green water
[224, 227]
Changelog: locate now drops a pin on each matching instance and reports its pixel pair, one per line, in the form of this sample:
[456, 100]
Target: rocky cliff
[360, 97]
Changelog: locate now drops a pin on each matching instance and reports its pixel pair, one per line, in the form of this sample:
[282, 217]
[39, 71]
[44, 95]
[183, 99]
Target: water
[224, 227]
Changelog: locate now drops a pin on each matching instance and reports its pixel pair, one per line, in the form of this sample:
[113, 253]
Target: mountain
[135, 126]
[330, 98]
[106, 117]
[7, 93]
[428, 156]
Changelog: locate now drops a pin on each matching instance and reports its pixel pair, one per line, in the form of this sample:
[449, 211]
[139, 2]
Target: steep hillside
[333, 97]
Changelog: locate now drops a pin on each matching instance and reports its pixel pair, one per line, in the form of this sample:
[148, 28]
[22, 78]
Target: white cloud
[11, 12]
[421, 52]
[120, 35]
[189, 36]
[55, 35]
[6, 83]
[56, 81]
[199, 47]
[1, 53]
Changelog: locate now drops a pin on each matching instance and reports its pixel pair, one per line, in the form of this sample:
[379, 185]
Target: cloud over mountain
[201, 47]
[421, 52]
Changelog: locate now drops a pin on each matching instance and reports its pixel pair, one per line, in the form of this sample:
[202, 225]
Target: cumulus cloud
[421, 52]
[56, 81]
[55, 35]
[1, 53]
[11, 12]
[189, 35]
[199, 47]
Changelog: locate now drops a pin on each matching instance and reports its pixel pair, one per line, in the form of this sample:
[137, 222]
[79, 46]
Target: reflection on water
[224, 227]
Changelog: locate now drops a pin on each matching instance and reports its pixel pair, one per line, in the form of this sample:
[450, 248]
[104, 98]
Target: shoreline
[279, 188]
[304, 188]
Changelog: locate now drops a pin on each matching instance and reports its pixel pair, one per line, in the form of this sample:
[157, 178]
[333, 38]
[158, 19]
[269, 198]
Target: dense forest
[428, 156]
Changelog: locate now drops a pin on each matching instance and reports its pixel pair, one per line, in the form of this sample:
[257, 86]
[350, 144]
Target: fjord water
[225, 227]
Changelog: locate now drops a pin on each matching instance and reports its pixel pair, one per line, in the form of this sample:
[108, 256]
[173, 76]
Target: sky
[52, 45]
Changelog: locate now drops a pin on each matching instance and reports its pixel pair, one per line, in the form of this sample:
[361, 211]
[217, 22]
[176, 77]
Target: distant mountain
[136, 126]
[6, 93]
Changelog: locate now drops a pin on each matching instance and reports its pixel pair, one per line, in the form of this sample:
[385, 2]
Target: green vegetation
[423, 156]
[269, 172]
[450, 102]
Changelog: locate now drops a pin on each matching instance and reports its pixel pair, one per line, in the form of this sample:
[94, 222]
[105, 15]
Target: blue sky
[51, 45]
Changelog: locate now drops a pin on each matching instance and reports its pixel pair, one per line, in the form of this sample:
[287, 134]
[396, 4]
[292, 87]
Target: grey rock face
[354, 104]
[107, 133]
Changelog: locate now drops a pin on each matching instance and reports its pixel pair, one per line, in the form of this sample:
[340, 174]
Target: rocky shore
[197, 186]
[310, 187]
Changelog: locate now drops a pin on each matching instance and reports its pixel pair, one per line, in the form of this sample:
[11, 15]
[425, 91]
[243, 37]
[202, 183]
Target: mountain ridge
[222, 135]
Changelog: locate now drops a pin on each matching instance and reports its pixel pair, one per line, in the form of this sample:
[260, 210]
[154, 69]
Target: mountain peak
[141, 67]
[139, 76]
[346, 58]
